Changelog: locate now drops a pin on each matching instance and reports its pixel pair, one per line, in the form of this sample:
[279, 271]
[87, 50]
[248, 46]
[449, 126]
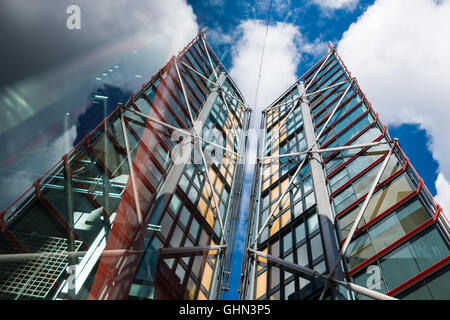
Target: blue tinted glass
[429, 248]
[399, 266]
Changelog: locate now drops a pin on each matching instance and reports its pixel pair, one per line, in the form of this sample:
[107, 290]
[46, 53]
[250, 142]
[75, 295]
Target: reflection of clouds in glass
[120, 45]
[30, 165]
[63, 60]
[40, 27]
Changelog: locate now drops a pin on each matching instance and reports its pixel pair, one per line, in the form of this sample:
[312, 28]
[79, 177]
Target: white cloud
[282, 54]
[336, 4]
[399, 52]
[284, 48]
[109, 31]
[281, 58]
[283, 51]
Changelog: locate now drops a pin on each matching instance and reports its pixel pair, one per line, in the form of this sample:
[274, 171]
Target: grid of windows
[406, 261]
[434, 287]
[292, 231]
[99, 164]
[300, 242]
[385, 232]
[399, 205]
[191, 218]
[183, 226]
[299, 198]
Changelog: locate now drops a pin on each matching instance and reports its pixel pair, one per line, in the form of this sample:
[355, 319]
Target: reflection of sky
[33, 145]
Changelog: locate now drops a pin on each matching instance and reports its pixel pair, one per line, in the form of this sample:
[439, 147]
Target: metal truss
[200, 149]
[360, 214]
[179, 251]
[196, 134]
[132, 175]
[330, 279]
[309, 273]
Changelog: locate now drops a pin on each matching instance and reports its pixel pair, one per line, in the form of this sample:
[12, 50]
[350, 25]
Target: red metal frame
[386, 212]
[359, 175]
[330, 139]
[378, 187]
[331, 61]
[420, 276]
[346, 163]
[343, 104]
[202, 87]
[397, 243]
[167, 105]
[319, 81]
[59, 218]
[315, 99]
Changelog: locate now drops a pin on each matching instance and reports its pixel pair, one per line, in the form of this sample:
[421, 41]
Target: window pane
[310, 200]
[302, 255]
[313, 223]
[274, 249]
[320, 267]
[287, 242]
[399, 266]
[385, 232]
[412, 216]
[421, 293]
[429, 248]
[175, 203]
[316, 247]
[289, 289]
[439, 285]
[274, 277]
[300, 232]
[372, 279]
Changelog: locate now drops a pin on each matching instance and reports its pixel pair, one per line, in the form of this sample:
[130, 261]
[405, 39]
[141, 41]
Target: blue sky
[308, 25]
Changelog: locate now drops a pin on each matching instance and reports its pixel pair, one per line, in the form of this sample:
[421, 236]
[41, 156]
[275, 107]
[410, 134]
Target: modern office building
[145, 206]
[336, 204]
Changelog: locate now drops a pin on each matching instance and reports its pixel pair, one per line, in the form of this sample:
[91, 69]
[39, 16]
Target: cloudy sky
[397, 49]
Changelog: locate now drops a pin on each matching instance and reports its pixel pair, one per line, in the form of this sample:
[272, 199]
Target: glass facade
[145, 205]
[120, 216]
[402, 232]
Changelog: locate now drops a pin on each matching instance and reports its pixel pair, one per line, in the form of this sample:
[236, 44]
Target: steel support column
[324, 211]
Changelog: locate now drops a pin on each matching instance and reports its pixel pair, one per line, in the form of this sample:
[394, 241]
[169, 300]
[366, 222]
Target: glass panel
[316, 247]
[287, 242]
[274, 249]
[439, 285]
[412, 216]
[289, 289]
[310, 200]
[313, 223]
[380, 202]
[274, 277]
[361, 255]
[421, 293]
[300, 232]
[302, 255]
[261, 284]
[370, 278]
[385, 232]
[429, 248]
[399, 266]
